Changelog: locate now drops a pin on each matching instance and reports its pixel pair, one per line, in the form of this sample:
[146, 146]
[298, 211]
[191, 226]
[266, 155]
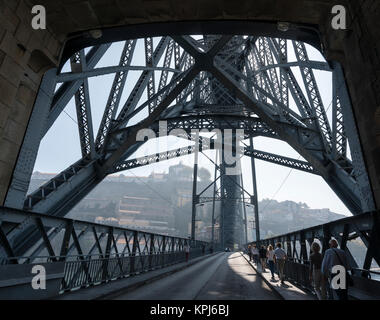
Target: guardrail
[86, 272]
[102, 253]
[297, 245]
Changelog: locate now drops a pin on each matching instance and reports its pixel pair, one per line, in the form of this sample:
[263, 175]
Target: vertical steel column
[303, 253]
[326, 238]
[244, 211]
[289, 250]
[231, 221]
[195, 177]
[221, 214]
[255, 199]
[134, 250]
[374, 243]
[66, 240]
[107, 254]
[7, 247]
[343, 246]
[151, 250]
[213, 203]
[163, 249]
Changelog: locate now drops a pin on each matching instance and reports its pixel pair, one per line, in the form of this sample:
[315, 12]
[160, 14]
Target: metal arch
[203, 82]
[309, 141]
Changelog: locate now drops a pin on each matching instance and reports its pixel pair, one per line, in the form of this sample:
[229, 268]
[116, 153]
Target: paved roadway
[225, 276]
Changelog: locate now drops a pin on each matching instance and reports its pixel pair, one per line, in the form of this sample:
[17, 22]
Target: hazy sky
[60, 147]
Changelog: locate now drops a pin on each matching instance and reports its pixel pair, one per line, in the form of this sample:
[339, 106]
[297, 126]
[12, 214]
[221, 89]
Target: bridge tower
[232, 220]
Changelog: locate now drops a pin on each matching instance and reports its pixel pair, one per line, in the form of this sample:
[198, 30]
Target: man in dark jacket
[263, 257]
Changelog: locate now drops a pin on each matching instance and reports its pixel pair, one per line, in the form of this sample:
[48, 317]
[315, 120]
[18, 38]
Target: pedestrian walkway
[112, 288]
[225, 276]
[287, 291]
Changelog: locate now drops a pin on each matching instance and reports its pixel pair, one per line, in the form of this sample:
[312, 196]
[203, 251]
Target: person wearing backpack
[333, 259]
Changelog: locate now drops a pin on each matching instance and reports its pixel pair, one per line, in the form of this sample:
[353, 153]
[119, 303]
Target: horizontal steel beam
[73, 76]
[257, 154]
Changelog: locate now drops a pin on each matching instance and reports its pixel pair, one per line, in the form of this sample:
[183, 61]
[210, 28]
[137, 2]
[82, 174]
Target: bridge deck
[223, 276]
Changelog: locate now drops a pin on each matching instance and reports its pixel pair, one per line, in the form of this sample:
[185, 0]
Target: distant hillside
[162, 203]
[286, 216]
[170, 195]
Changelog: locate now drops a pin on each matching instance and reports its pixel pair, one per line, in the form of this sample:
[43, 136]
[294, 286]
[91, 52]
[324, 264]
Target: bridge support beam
[34, 133]
[231, 210]
[254, 198]
[195, 178]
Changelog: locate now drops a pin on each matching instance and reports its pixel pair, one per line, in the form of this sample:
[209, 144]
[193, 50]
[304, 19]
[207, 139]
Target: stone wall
[26, 54]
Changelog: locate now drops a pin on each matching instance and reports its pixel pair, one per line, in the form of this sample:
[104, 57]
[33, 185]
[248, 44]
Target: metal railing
[82, 271]
[93, 271]
[297, 245]
[298, 272]
[92, 253]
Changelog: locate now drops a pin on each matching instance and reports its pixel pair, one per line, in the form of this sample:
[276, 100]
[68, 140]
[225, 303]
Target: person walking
[249, 252]
[280, 258]
[187, 251]
[255, 254]
[270, 257]
[263, 257]
[336, 257]
[316, 275]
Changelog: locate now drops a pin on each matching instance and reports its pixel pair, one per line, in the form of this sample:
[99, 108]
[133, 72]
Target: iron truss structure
[208, 82]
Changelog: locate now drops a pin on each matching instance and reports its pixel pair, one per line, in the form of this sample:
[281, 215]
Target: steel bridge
[235, 87]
